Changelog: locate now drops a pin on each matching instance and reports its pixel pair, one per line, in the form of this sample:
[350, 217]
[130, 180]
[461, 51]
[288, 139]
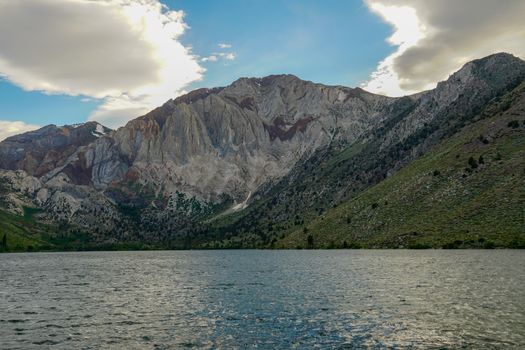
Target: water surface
[266, 299]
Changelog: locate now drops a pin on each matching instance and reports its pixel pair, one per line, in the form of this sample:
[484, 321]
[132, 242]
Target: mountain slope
[40, 151]
[229, 141]
[251, 164]
[340, 172]
[467, 191]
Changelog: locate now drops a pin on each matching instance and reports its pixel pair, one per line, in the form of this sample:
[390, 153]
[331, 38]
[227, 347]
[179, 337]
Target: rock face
[229, 142]
[38, 152]
[463, 93]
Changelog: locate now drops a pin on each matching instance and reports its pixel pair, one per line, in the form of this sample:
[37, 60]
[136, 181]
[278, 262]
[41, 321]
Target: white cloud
[435, 38]
[10, 128]
[224, 46]
[211, 58]
[126, 52]
[229, 56]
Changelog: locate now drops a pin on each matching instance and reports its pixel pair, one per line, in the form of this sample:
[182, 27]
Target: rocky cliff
[39, 152]
[229, 141]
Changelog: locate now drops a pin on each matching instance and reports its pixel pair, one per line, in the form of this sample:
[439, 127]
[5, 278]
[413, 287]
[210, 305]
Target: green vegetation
[302, 203]
[22, 233]
[26, 234]
[455, 182]
[437, 202]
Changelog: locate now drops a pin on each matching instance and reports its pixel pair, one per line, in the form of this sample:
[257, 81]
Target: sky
[70, 61]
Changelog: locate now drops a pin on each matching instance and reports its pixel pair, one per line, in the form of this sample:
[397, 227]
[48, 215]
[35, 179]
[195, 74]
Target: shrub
[419, 246]
[351, 245]
[489, 245]
[4, 242]
[472, 162]
[483, 139]
[453, 245]
[310, 241]
[513, 124]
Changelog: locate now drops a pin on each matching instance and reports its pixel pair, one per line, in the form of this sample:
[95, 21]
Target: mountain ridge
[231, 147]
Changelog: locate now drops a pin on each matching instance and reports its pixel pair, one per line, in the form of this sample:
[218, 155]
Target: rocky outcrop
[41, 151]
[465, 92]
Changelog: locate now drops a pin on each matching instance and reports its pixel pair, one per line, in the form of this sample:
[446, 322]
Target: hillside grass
[23, 233]
[438, 200]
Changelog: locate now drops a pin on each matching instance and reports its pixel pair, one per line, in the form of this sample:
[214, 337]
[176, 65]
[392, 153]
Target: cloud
[229, 56]
[224, 46]
[10, 128]
[435, 38]
[125, 52]
[212, 58]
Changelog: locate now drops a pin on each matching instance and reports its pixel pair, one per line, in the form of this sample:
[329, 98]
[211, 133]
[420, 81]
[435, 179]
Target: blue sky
[333, 42]
[114, 60]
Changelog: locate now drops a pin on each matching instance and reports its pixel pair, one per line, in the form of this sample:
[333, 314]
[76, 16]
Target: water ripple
[264, 299]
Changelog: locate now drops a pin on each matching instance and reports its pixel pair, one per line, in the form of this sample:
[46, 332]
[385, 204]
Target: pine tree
[4, 241]
[310, 241]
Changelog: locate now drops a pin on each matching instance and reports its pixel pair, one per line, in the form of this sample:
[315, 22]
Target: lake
[349, 299]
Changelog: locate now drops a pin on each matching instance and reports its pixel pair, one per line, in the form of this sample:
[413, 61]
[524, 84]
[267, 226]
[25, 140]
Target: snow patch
[99, 131]
[242, 205]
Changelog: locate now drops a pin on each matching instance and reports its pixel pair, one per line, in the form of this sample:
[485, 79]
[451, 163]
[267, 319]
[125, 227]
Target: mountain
[337, 174]
[229, 141]
[38, 152]
[466, 191]
[256, 164]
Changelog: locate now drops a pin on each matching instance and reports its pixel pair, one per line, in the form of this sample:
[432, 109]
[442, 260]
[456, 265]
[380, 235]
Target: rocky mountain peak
[229, 140]
[495, 70]
[39, 151]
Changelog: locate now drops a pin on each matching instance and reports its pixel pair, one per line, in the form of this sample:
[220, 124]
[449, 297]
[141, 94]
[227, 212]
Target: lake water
[349, 299]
